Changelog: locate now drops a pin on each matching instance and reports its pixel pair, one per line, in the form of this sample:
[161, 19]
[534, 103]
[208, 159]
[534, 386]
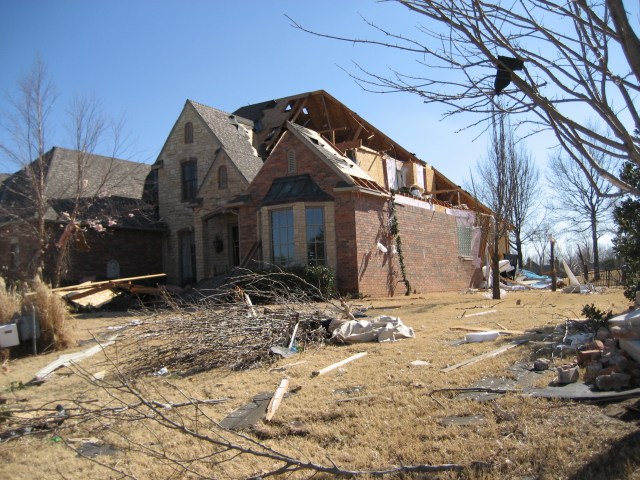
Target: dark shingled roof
[298, 188]
[234, 134]
[103, 177]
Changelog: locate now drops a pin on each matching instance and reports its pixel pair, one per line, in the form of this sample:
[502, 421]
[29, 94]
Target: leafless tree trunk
[28, 126]
[580, 60]
[495, 187]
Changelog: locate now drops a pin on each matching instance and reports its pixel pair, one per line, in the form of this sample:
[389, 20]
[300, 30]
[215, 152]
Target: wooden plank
[114, 280]
[338, 364]
[484, 356]
[277, 398]
[87, 293]
[478, 329]
[69, 358]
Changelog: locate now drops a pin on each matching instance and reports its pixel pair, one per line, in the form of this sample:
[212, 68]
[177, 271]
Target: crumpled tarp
[382, 329]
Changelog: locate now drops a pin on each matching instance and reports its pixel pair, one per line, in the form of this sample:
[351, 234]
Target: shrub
[596, 318]
[305, 283]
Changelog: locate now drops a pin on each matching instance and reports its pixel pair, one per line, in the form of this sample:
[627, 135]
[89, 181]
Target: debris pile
[236, 336]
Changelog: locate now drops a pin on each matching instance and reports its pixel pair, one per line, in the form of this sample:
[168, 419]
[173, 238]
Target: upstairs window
[291, 161]
[464, 240]
[222, 177]
[188, 132]
[189, 179]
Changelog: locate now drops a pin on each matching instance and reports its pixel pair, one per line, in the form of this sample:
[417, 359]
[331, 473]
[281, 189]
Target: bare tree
[577, 201]
[28, 126]
[527, 196]
[495, 186]
[566, 61]
[25, 199]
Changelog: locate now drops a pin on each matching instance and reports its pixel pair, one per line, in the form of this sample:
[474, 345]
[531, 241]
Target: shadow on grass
[620, 460]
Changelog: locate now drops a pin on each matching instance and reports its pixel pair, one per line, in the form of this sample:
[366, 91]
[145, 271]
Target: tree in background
[25, 199]
[527, 195]
[553, 64]
[627, 241]
[493, 183]
[577, 201]
[28, 127]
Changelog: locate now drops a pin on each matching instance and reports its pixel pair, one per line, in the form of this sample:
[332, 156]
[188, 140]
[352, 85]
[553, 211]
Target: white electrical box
[9, 335]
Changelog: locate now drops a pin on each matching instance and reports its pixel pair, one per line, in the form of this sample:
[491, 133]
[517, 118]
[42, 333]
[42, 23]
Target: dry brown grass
[392, 419]
[9, 302]
[51, 311]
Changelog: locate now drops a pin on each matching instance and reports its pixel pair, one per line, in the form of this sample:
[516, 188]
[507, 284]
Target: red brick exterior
[429, 238]
[138, 252]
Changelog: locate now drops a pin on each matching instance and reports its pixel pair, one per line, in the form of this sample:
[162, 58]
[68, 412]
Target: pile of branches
[223, 329]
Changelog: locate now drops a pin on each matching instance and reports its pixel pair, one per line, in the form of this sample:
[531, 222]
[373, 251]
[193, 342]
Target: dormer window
[188, 132]
[291, 161]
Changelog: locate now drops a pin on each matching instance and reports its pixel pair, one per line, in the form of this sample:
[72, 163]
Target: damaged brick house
[303, 180]
[100, 207]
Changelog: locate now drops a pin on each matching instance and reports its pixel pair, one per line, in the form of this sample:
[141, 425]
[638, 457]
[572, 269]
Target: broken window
[315, 236]
[282, 239]
[291, 161]
[188, 132]
[222, 177]
[189, 170]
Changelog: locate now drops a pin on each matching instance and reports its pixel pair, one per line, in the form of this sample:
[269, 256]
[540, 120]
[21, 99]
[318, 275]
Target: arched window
[222, 177]
[188, 132]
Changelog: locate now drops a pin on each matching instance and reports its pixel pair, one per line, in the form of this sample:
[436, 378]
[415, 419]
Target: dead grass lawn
[373, 413]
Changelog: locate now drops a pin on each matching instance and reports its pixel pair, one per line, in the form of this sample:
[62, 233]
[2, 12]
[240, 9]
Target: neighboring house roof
[69, 174]
[234, 134]
[114, 212]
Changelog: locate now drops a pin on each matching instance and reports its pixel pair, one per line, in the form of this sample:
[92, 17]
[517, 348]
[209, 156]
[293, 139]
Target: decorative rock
[568, 373]
[615, 381]
[592, 372]
[603, 334]
[619, 362]
[541, 364]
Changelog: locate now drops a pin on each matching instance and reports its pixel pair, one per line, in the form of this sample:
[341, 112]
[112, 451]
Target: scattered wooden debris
[484, 356]
[478, 329]
[276, 399]
[338, 364]
[70, 358]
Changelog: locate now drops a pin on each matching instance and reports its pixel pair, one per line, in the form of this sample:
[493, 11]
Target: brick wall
[138, 252]
[429, 244]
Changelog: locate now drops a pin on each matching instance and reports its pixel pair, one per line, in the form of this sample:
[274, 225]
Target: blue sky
[144, 58]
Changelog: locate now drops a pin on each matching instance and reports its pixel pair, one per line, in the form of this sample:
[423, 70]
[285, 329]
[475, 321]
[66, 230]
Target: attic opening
[288, 108]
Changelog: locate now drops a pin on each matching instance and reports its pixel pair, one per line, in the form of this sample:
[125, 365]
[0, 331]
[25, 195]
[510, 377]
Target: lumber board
[277, 398]
[478, 329]
[333, 366]
[484, 356]
[86, 285]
